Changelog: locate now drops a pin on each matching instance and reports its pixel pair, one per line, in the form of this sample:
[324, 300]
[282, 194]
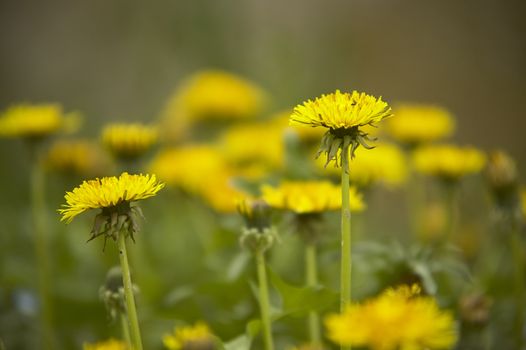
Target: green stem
[41, 251]
[517, 248]
[311, 272]
[345, 270]
[125, 329]
[264, 303]
[128, 293]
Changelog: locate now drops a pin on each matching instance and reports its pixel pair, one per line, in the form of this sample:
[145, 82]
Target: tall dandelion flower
[111, 344]
[117, 220]
[420, 124]
[308, 200]
[344, 115]
[79, 157]
[397, 319]
[129, 141]
[196, 337]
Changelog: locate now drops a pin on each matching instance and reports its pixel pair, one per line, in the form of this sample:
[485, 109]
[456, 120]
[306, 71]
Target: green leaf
[298, 301]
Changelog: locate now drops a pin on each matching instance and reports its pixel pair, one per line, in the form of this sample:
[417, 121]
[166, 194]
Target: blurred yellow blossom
[80, 157]
[449, 162]
[212, 95]
[129, 140]
[222, 195]
[397, 319]
[418, 124]
[36, 121]
[111, 344]
[304, 197]
[254, 148]
[385, 163]
[109, 192]
[196, 337]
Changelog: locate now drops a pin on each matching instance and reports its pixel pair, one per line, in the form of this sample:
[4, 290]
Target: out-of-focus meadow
[213, 84]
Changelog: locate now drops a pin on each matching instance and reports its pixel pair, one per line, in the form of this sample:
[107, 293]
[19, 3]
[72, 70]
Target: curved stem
[41, 251]
[128, 294]
[345, 269]
[264, 303]
[311, 273]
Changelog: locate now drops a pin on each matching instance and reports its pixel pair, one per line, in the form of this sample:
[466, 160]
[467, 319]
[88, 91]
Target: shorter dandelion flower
[448, 162]
[80, 157]
[308, 197]
[418, 124]
[129, 141]
[36, 121]
[113, 195]
[344, 114]
[397, 319]
[196, 337]
[111, 344]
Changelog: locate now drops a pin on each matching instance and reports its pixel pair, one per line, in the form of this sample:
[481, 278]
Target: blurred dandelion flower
[129, 140]
[448, 161]
[418, 124]
[212, 95]
[254, 149]
[111, 344]
[397, 319]
[109, 193]
[302, 197]
[36, 121]
[79, 157]
[385, 164]
[196, 337]
[222, 195]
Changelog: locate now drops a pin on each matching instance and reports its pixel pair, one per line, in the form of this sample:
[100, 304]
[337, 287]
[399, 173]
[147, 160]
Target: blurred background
[122, 60]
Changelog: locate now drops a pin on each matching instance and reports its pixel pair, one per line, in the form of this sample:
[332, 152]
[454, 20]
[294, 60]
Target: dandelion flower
[448, 161]
[418, 124]
[196, 337]
[36, 121]
[129, 140]
[397, 319]
[211, 95]
[343, 114]
[303, 197]
[76, 157]
[111, 344]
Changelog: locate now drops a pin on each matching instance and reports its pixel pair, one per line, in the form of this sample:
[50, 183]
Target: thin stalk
[517, 248]
[264, 303]
[125, 329]
[345, 269]
[38, 206]
[311, 275]
[131, 311]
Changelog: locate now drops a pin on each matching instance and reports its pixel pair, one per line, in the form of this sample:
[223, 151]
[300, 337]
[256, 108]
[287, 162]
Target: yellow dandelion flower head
[448, 161]
[303, 197]
[197, 336]
[129, 140]
[108, 192]
[418, 124]
[75, 156]
[385, 163]
[253, 144]
[397, 319]
[189, 167]
[222, 195]
[111, 344]
[36, 121]
[341, 111]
